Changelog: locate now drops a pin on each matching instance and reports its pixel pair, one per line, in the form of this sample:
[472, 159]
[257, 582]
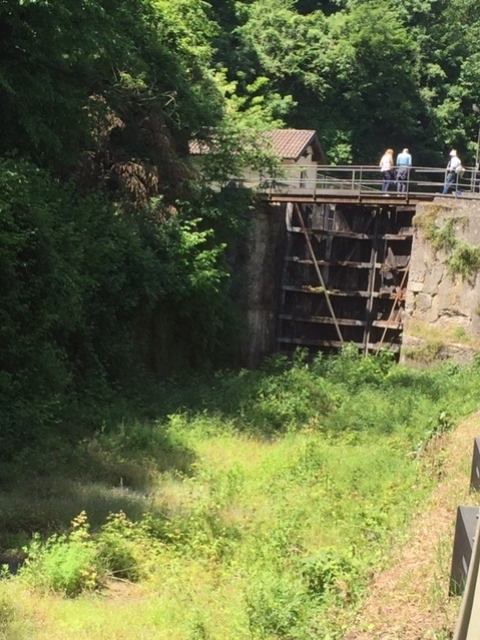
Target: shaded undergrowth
[252, 504]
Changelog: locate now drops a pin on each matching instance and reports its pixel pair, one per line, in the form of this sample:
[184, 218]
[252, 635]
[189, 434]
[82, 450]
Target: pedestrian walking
[452, 173]
[404, 163]
[387, 169]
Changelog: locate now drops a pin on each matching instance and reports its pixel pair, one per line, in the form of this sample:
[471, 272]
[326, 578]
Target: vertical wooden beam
[371, 287]
[288, 250]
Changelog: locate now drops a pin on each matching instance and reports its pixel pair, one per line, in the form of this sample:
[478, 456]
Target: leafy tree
[352, 76]
[376, 80]
[363, 75]
[124, 75]
[78, 282]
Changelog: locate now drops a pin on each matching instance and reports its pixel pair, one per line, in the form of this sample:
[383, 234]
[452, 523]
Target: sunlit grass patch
[229, 530]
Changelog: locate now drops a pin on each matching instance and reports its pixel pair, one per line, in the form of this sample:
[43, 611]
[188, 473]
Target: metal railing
[364, 180]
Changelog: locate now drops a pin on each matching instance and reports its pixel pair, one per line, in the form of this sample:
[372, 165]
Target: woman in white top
[386, 167]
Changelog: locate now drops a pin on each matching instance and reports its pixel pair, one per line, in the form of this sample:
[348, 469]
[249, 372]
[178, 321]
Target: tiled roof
[288, 144]
[198, 147]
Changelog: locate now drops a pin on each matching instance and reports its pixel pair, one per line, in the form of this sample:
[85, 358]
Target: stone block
[433, 312]
[434, 277]
[416, 287]
[423, 302]
[417, 276]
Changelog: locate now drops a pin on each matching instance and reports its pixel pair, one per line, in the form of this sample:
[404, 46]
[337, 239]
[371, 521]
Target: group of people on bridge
[397, 173]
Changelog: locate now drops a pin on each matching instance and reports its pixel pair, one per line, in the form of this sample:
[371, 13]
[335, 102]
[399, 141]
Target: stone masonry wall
[442, 311]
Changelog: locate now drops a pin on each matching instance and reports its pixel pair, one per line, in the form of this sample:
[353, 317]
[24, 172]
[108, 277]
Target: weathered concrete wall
[442, 312]
[266, 250]
[256, 259]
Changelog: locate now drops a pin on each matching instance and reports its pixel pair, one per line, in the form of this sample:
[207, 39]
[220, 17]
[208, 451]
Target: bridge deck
[347, 196]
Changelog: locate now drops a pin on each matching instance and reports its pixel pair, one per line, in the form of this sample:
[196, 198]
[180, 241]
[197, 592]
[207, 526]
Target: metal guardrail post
[475, 473]
[465, 529]
[467, 627]
[466, 561]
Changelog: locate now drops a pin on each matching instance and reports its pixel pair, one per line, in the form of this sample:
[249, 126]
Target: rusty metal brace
[396, 300]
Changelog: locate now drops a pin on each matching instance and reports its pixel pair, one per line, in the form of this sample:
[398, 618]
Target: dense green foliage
[112, 254]
[366, 76]
[120, 299]
[116, 258]
[80, 285]
[255, 504]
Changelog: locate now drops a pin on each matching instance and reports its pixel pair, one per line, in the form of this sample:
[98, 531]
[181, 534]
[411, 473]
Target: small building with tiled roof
[298, 150]
[294, 144]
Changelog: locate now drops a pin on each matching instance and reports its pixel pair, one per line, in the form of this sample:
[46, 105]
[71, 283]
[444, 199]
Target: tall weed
[64, 563]
[276, 607]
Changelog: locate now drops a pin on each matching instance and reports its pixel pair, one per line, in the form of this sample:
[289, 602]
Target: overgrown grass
[252, 505]
[441, 335]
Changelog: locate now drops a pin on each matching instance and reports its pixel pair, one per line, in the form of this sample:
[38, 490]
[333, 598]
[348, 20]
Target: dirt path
[410, 601]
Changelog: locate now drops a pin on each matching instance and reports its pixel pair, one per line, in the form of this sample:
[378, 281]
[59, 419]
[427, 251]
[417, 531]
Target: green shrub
[275, 607]
[79, 561]
[66, 563]
[464, 260]
[332, 573]
[69, 567]
[119, 545]
[352, 369]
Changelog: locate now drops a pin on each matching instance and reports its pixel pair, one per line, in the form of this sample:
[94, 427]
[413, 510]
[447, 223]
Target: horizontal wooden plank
[342, 263]
[347, 322]
[353, 235]
[372, 346]
[343, 294]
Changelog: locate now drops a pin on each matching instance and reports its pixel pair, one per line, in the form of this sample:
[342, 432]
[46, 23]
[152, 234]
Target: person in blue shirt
[404, 162]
